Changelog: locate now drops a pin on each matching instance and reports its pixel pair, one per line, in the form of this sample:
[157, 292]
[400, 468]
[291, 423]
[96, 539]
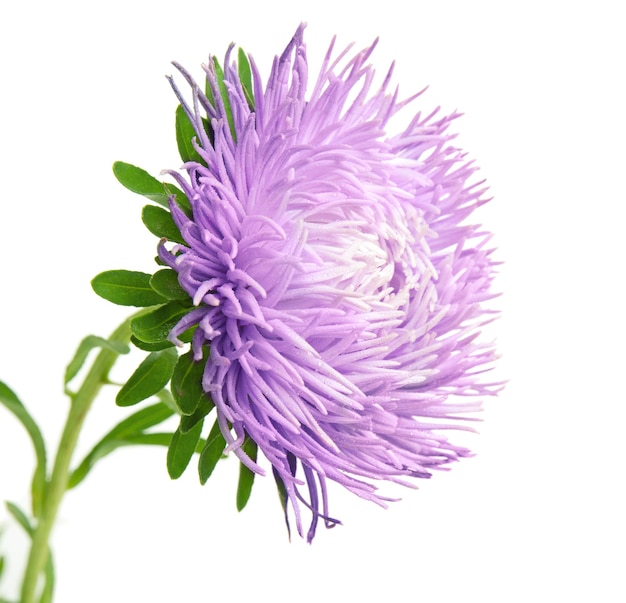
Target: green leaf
[181, 449]
[159, 222]
[181, 198]
[123, 434]
[150, 377]
[20, 517]
[188, 422]
[150, 347]
[246, 476]
[283, 497]
[245, 76]
[140, 421]
[219, 74]
[48, 587]
[165, 283]
[211, 453]
[165, 396]
[155, 326]
[139, 181]
[126, 288]
[185, 133]
[187, 383]
[38, 485]
[147, 439]
[86, 345]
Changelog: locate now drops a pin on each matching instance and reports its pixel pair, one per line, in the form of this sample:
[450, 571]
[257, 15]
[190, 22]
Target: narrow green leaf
[48, 587]
[181, 449]
[147, 439]
[245, 76]
[165, 396]
[187, 383]
[20, 517]
[139, 421]
[283, 497]
[159, 222]
[211, 453]
[139, 181]
[123, 432]
[104, 449]
[38, 490]
[38, 485]
[165, 283]
[126, 288]
[150, 347]
[185, 133]
[246, 476]
[86, 345]
[155, 326]
[181, 198]
[150, 377]
[219, 73]
[188, 422]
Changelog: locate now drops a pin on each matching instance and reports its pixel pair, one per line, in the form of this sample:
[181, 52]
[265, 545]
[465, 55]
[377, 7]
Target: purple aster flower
[338, 289]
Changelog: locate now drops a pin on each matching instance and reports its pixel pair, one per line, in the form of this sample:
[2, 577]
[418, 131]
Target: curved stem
[79, 407]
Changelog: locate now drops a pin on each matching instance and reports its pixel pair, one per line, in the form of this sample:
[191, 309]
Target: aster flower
[337, 289]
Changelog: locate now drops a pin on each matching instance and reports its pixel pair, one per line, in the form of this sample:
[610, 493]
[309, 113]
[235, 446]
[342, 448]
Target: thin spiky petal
[337, 282]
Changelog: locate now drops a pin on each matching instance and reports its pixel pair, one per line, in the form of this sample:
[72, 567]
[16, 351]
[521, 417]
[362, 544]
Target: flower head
[338, 288]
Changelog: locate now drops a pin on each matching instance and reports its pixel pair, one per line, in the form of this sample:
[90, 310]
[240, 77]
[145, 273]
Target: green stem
[79, 407]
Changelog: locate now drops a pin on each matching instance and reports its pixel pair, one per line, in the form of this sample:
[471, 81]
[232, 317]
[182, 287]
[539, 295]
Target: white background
[538, 515]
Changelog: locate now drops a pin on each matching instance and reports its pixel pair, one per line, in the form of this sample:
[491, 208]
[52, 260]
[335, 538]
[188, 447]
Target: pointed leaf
[141, 420]
[159, 222]
[134, 425]
[246, 476]
[245, 77]
[9, 399]
[20, 517]
[181, 449]
[150, 377]
[185, 133]
[48, 587]
[126, 288]
[146, 439]
[187, 383]
[188, 422]
[211, 453]
[155, 326]
[150, 347]
[165, 283]
[219, 74]
[283, 497]
[139, 181]
[180, 198]
[86, 345]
